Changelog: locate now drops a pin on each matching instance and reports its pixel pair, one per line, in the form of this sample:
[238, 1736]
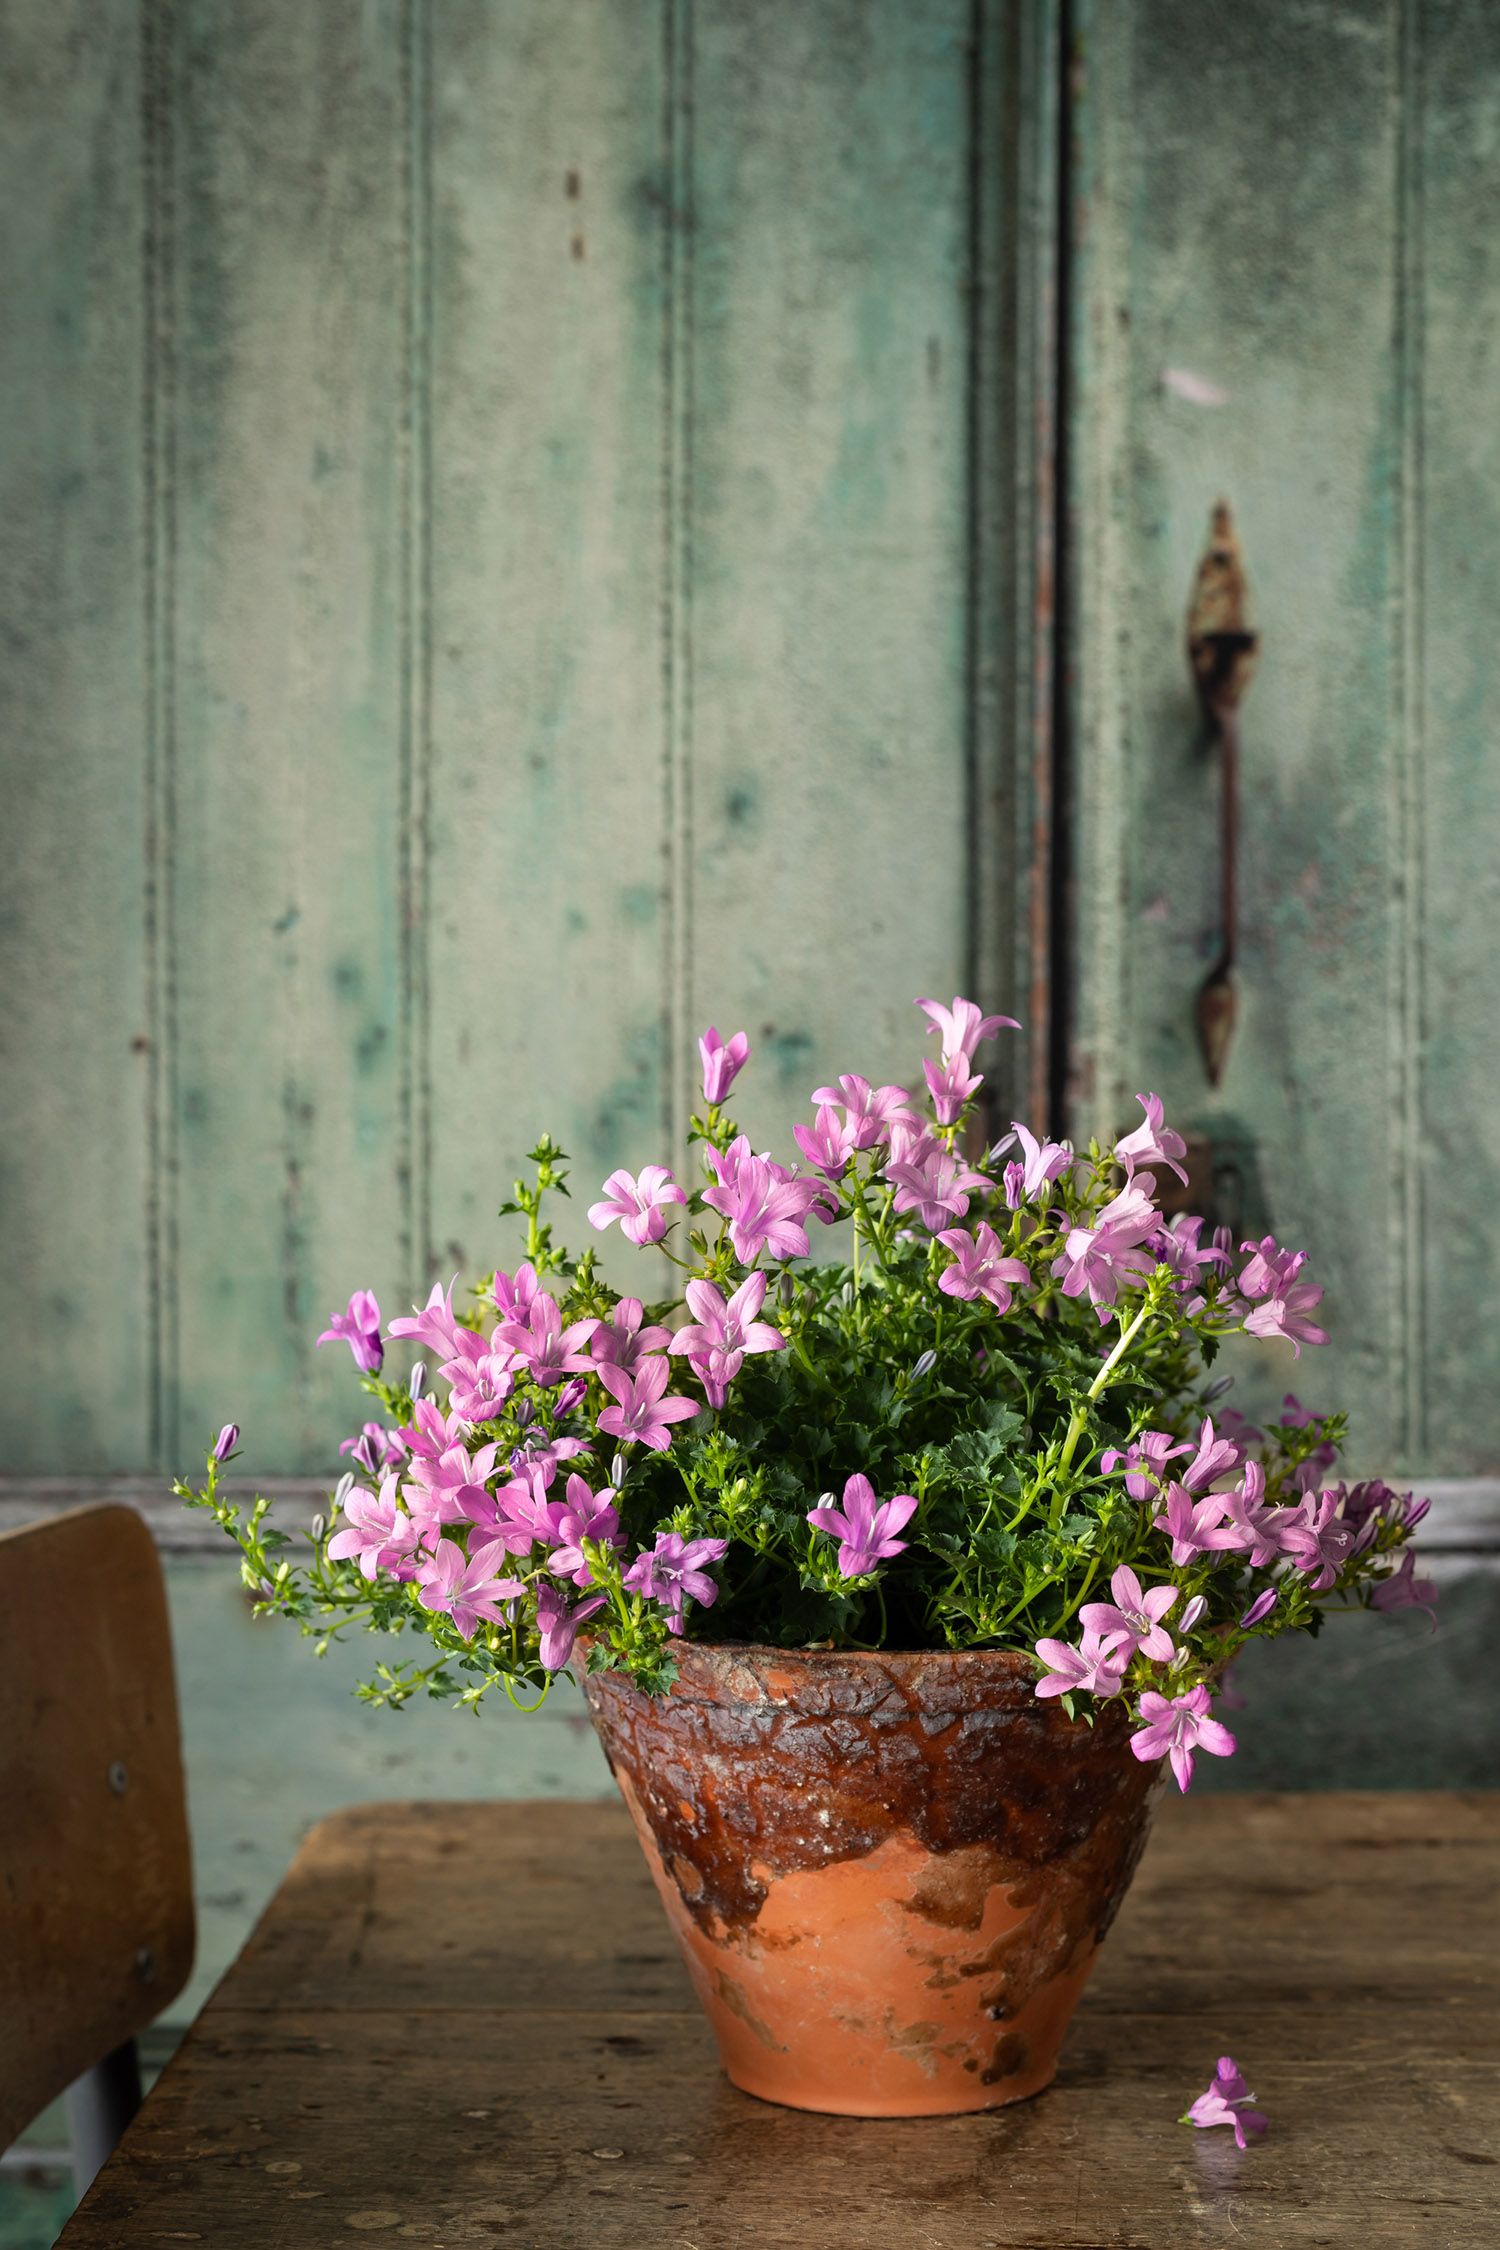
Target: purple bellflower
[934, 1183]
[549, 1352]
[979, 1269]
[1144, 1461]
[558, 1624]
[375, 1448]
[639, 1205]
[467, 1590]
[1288, 1315]
[1250, 1528]
[622, 1341]
[1095, 1667]
[378, 1533]
[1227, 2102]
[1176, 1729]
[1040, 1163]
[1316, 1538]
[1269, 1270]
[1152, 1142]
[869, 1112]
[1216, 1457]
[435, 1327]
[452, 1488]
[962, 1026]
[828, 1144]
[515, 1296]
[640, 1414]
[723, 1333]
[864, 1528]
[1105, 1258]
[359, 1328]
[1190, 1523]
[584, 1516]
[766, 1206]
[1138, 1616]
[949, 1084]
[1402, 1589]
[481, 1376]
[723, 1060]
[673, 1574]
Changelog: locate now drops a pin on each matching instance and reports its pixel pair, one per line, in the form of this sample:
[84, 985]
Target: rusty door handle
[1222, 651]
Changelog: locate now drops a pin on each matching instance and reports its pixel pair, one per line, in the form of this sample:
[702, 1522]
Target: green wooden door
[1287, 294]
[514, 526]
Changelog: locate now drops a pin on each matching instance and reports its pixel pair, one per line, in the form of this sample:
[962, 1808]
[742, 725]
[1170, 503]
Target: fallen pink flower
[1227, 2102]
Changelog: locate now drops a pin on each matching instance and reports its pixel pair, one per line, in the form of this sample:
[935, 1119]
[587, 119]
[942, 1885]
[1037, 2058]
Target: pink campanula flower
[1138, 1616]
[375, 1448]
[1316, 1538]
[430, 1432]
[1189, 1523]
[962, 1026]
[870, 1113]
[1106, 1257]
[1152, 1142]
[514, 1297]
[1269, 1270]
[723, 1333]
[1227, 2102]
[1250, 1528]
[435, 1327]
[229, 1437]
[1217, 1456]
[1402, 1589]
[950, 1085]
[1177, 1728]
[1095, 1667]
[828, 1144]
[1176, 1245]
[467, 1590]
[558, 1624]
[864, 1528]
[979, 1269]
[1287, 1315]
[640, 1414]
[623, 1341]
[1144, 1460]
[723, 1060]
[549, 1352]
[931, 1181]
[1041, 1163]
[673, 1573]
[584, 1516]
[378, 1533]
[449, 1489]
[639, 1205]
[359, 1328]
[480, 1375]
[765, 1205]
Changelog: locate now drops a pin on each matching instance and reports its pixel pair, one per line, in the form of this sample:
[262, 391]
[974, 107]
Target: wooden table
[464, 2024]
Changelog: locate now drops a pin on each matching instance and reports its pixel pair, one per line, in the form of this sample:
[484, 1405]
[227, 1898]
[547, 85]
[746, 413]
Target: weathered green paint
[1294, 205]
[516, 534]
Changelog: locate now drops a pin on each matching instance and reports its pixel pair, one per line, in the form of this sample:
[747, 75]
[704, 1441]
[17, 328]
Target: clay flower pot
[889, 1874]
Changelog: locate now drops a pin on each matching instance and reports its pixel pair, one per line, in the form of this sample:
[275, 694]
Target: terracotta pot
[889, 1874]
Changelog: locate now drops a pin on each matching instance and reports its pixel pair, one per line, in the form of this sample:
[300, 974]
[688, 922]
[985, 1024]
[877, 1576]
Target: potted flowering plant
[895, 1584]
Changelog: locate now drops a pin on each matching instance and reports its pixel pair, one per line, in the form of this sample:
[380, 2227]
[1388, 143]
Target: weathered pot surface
[889, 1873]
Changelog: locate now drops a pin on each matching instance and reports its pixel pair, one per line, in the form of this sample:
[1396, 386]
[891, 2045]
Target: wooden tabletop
[463, 2024]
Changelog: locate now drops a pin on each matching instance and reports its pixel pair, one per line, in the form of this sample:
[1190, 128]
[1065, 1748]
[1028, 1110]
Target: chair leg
[100, 2105]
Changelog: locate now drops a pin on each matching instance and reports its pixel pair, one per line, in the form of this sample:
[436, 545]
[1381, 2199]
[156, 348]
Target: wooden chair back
[96, 1897]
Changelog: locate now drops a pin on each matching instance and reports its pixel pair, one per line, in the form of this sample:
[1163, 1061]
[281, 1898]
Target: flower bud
[786, 1289]
[226, 1441]
[570, 1396]
[342, 1489]
[1218, 1389]
[618, 1470]
[319, 1526]
[924, 1366]
[523, 1413]
[416, 1382]
[1262, 1606]
[1192, 1613]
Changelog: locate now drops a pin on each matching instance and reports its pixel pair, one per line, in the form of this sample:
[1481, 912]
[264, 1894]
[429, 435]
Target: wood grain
[96, 1892]
[459, 2024]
